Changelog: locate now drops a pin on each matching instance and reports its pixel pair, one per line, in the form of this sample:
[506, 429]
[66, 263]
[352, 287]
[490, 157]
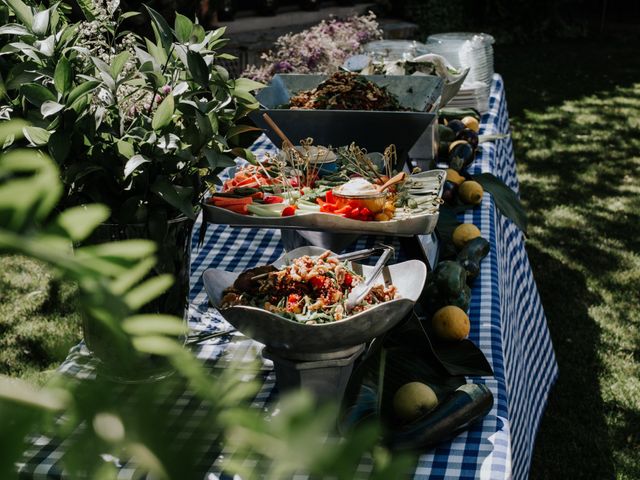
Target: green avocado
[472, 254]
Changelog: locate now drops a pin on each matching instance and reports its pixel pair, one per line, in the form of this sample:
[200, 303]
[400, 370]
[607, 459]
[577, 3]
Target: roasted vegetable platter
[372, 111]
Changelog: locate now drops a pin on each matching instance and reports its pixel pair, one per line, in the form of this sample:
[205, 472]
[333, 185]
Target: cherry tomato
[348, 279]
[289, 211]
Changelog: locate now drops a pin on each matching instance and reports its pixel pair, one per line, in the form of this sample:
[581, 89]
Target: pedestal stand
[325, 374]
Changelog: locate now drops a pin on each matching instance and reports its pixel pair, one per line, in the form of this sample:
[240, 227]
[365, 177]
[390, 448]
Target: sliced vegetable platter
[401, 225]
[425, 190]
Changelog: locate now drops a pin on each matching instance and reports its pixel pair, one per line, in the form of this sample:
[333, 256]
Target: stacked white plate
[472, 95]
[472, 50]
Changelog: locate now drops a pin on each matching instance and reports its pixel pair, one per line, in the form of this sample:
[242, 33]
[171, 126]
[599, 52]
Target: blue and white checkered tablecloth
[507, 323]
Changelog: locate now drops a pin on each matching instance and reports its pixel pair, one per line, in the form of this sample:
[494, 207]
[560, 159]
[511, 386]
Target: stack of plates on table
[472, 50]
[472, 95]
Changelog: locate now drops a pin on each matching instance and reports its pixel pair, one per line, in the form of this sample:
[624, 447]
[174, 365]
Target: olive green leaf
[22, 11]
[183, 28]
[62, 76]
[163, 114]
[36, 135]
[118, 63]
[506, 200]
[79, 222]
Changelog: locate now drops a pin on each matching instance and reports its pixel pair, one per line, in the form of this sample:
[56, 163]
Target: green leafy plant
[111, 421]
[139, 125]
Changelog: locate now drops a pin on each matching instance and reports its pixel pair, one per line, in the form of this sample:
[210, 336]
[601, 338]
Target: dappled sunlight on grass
[38, 319]
[580, 182]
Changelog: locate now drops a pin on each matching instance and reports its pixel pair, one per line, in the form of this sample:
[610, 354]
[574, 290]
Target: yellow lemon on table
[471, 192]
[454, 176]
[413, 400]
[465, 233]
[451, 323]
[471, 123]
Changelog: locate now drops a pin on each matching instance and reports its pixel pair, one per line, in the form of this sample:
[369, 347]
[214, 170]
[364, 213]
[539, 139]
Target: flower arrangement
[319, 49]
[139, 125]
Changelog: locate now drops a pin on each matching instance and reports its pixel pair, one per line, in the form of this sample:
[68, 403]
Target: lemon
[471, 123]
[471, 192]
[454, 176]
[413, 400]
[464, 233]
[451, 323]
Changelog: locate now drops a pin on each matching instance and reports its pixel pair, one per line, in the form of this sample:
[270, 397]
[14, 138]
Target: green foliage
[130, 122]
[506, 200]
[112, 285]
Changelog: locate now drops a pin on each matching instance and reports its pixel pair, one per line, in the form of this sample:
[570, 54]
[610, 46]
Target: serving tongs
[346, 257]
[362, 289]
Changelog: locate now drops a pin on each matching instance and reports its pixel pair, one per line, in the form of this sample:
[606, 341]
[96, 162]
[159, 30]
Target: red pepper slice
[328, 208]
[346, 211]
[288, 211]
[273, 199]
[330, 197]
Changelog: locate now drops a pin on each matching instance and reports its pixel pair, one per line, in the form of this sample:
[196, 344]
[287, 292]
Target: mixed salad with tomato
[309, 290]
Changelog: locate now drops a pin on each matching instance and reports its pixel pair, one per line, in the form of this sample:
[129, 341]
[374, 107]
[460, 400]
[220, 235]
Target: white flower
[319, 49]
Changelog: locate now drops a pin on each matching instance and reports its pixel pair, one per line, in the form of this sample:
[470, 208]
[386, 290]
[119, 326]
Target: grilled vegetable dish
[346, 91]
[309, 290]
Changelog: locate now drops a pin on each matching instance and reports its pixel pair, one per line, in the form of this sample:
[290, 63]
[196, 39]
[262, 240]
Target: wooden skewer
[287, 146]
[276, 128]
[400, 177]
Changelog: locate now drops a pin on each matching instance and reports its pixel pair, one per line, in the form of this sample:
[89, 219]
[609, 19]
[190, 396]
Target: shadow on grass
[549, 74]
[574, 421]
[576, 128]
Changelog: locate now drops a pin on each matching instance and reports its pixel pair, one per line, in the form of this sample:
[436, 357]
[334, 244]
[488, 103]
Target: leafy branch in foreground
[103, 420]
[140, 125]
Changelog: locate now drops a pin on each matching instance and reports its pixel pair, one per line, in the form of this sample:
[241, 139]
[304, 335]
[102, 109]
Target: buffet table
[507, 323]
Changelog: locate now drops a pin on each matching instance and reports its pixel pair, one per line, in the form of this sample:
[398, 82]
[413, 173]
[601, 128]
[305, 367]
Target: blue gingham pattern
[507, 323]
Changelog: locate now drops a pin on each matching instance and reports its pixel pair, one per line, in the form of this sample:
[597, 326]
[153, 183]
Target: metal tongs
[357, 255]
[360, 291]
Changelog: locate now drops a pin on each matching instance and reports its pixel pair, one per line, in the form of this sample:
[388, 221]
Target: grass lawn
[38, 322]
[575, 111]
